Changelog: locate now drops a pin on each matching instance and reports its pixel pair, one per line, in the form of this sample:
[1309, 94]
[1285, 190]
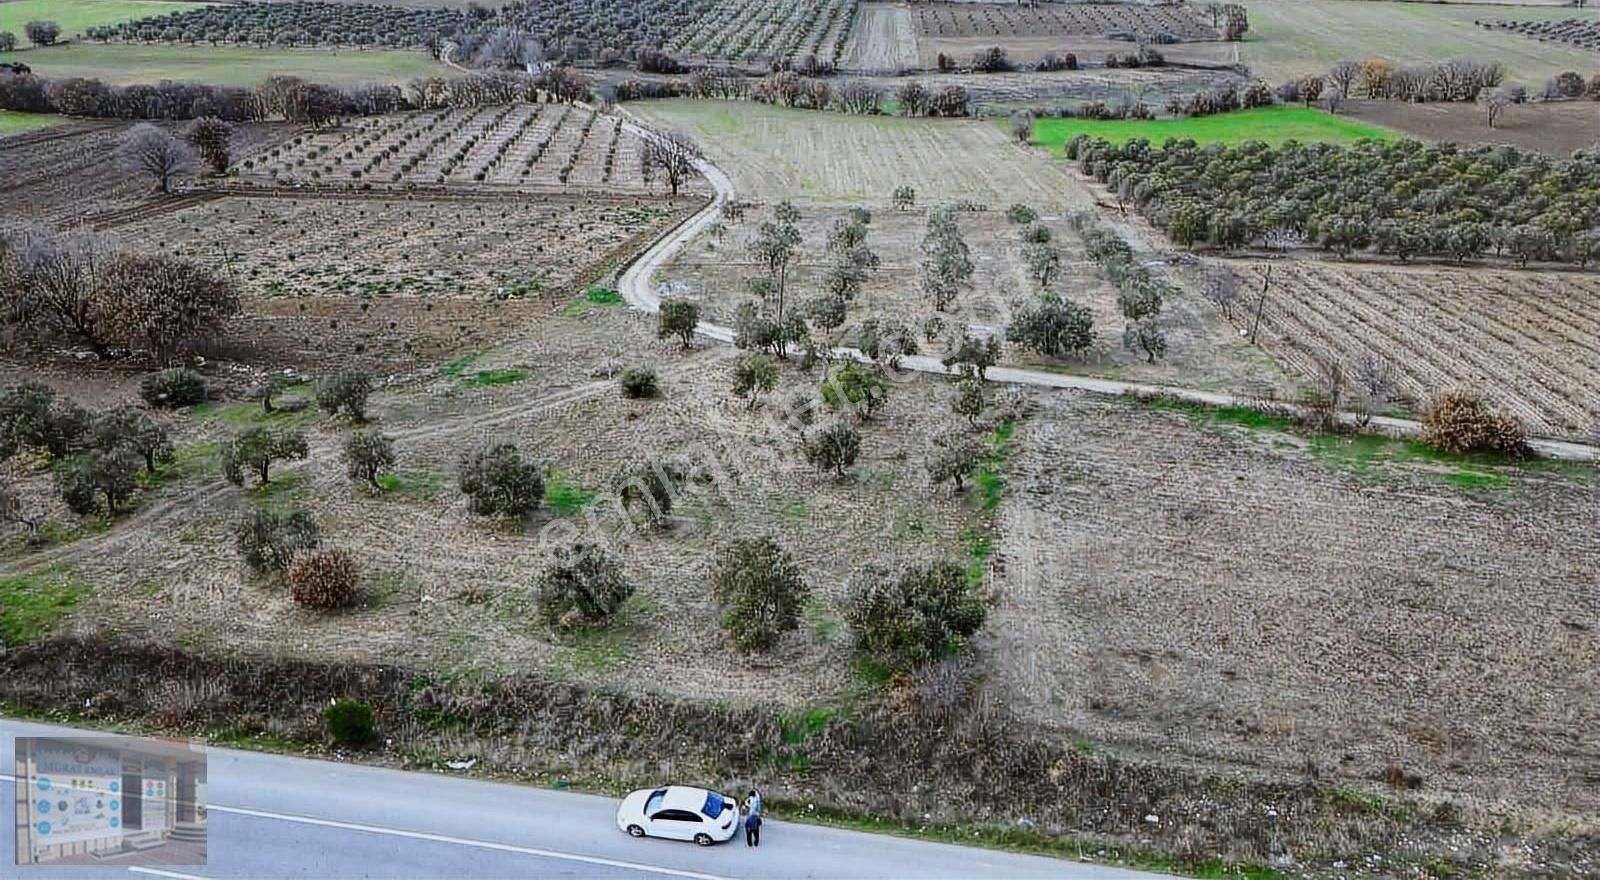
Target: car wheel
[635, 831]
[703, 839]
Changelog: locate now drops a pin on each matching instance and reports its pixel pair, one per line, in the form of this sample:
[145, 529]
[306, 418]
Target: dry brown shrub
[1462, 422]
[323, 579]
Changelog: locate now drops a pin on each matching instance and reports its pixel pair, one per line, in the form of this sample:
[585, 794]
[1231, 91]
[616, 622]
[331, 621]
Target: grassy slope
[16, 123]
[1274, 125]
[1296, 37]
[124, 64]
[76, 16]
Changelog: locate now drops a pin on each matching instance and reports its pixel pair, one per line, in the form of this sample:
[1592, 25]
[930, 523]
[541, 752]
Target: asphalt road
[272, 816]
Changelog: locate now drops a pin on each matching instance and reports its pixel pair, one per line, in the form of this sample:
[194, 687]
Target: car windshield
[715, 804]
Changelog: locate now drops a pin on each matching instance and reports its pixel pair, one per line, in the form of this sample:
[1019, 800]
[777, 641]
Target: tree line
[1401, 198]
[287, 97]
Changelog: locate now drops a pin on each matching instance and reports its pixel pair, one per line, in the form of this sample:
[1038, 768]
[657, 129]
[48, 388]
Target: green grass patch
[1374, 456]
[801, 726]
[991, 485]
[453, 368]
[593, 296]
[823, 622]
[249, 414]
[494, 378]
[279, 492]
[1272, 125]
[980, 546]
[416, 485]
[1240, 416]
[564, 496]
[31, 605]
[125, 64]
[189, 460]
[871, 671]
[594, 650]
[796, 511]
[12, 122]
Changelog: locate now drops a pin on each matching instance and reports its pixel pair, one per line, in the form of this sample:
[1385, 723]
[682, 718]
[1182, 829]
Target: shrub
[834, 447]
[646, 494]
[856, 386]
[346, 390]
[581, 587]
[968, 401]
[367, 456]
[761, 592]
[678, 318]
[268, 541]
[920, 613]
[954, 459]
[497, 482]
[1462, 422]
[350, 723]
[323, 579]
[638, 383]
[33, 417]
[753, 376]
[1053, 328]
[173, 388]
[255, 449]
[1021, 214]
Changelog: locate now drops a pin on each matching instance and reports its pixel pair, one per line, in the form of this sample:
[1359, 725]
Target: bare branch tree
[1374, 375]
[157, 152]
[673, 154]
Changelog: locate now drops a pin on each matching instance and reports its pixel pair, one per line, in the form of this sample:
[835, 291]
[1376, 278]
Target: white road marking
[437, 838]
[462, 841]
[173, 874]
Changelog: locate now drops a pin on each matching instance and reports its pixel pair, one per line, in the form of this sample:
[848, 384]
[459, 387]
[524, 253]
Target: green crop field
[1291, 38]
[16, 123]
[1272, 125]
[76, 16]
[124, 64]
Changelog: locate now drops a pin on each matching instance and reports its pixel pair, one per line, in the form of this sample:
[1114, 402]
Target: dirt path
[638, 287]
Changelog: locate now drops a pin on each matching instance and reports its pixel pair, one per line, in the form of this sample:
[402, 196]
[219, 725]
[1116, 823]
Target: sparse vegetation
[581, 587]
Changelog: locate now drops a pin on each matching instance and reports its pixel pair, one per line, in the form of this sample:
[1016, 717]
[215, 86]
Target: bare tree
[12, 510]
[673, 153]
[156, 152]
[1221, 288]
[1494, 102]
[1022, 126]
[1374, 375]
[54, 279]
[1343, 75]
[160, 303]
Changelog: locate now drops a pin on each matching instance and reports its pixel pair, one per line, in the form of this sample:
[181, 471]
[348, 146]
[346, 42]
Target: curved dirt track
[637, 286]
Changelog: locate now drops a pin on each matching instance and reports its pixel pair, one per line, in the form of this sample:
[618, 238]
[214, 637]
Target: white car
[679, 812]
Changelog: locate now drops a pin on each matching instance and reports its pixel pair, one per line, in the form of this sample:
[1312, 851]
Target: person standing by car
[752, 819]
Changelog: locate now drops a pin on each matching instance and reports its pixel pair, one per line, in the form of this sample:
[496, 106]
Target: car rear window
[715, 804]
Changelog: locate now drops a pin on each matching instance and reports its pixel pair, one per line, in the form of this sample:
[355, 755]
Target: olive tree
[130, 428]
[253, 450]
[760, 590]
[678, 317]
[581, 587]
[268, 541]
[498, 482]
[833, 447]
[909, 617]
[367, 456]
[753, 376]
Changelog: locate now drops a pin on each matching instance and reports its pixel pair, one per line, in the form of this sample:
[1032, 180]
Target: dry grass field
[1554, 128]
[1525, 339]
[1291, 38]
[449, 591]
[1237, 598]
[774, 153]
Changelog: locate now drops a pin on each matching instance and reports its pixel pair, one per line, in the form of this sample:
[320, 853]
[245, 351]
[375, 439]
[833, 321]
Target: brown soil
[1220, 595]
[1556, 128]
